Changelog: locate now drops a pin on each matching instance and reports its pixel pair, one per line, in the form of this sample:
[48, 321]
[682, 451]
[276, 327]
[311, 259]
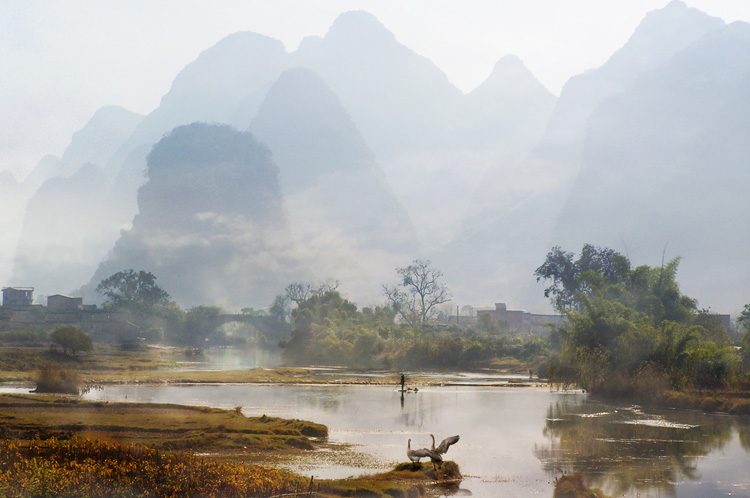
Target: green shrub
[72, 339]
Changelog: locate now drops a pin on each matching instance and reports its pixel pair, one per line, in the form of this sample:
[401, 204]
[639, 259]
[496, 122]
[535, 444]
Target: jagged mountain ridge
[400, 100]
[515, 216]
[64, 227]
[444, 161]
[342, 212]
[63, 238]
[227, 82]
[690, 120]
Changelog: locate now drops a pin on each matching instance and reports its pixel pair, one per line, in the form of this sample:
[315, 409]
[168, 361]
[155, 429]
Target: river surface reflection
[514, 441]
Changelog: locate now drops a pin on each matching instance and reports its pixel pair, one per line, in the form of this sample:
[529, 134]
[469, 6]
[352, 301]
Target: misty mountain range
[354, 155]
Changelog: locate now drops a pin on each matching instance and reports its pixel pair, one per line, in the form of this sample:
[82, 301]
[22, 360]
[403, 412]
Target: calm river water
[514, 441]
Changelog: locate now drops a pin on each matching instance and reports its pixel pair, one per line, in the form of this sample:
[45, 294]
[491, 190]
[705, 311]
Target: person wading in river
[403, 382]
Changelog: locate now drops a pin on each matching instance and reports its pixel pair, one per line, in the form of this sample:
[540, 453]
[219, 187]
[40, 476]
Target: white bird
[415, 455]
[444, 444]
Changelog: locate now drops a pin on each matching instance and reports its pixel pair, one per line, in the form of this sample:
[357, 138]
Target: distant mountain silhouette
[665, 166]
[65, 232]
[233, 74]
[341, 209]
[211, 88]
[7, 180]
[14, 197]
[381, 160]
[514, 229]
[99, 139]
[61, 224]
[399, 100]
[433, 143]
[211, 225]
[510, 107]
[504, 117]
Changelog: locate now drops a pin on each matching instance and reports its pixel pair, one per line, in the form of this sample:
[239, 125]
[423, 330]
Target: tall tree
[132, 291]
[744, 318]
[631, 331]
[594, 267]
[744, 321]
[420, 291]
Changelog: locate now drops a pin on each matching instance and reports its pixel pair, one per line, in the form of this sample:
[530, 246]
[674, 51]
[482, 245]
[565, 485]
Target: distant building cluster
[18, 310]
[22, 298]
[525, 323]
[517, 321]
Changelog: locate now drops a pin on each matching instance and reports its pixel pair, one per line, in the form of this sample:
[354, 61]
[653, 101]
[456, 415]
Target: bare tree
[298, 292]
[329, 285]
[419, 292]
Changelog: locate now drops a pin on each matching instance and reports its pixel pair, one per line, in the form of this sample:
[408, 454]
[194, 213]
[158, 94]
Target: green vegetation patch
[631, 332]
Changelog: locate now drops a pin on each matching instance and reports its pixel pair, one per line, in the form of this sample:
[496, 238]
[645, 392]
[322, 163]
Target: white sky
[62, 60]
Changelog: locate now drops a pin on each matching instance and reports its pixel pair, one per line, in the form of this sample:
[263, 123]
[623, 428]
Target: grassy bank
[732, 402]
[161, 426]
[94, 469]
[62, 446]
[91, 468]
[20, 364]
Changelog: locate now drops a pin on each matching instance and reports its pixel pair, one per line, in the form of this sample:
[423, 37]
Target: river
[514, 440]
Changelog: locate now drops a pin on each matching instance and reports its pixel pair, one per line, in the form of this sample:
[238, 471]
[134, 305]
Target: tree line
[631, 331]
[315, 324]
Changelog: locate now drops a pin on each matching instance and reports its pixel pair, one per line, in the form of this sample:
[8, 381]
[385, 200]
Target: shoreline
[40, 426]
[280, 377]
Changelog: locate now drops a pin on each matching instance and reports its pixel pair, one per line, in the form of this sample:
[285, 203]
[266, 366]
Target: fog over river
[514, 441]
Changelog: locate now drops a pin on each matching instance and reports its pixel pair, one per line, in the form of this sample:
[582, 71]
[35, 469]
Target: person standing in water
[403, 382]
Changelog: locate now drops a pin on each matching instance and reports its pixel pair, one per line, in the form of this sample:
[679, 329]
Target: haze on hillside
[354, 154]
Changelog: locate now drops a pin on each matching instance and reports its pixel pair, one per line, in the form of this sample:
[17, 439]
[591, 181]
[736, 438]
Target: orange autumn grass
[82, 467]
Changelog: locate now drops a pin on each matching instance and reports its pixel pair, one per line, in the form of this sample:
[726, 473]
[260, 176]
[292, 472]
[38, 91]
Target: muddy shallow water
[514, 441]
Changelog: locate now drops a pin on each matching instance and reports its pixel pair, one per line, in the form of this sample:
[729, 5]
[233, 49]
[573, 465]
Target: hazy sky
[62, 60]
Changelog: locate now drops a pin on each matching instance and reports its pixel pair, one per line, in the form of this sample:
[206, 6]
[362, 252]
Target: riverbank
[733, 402]
[160, 426]
[108, 365]
[99, 469]
[62, 445]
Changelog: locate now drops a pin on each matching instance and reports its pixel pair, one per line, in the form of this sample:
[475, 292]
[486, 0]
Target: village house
[523, 322]
[104, 325]
[18, 297]
[60, 303]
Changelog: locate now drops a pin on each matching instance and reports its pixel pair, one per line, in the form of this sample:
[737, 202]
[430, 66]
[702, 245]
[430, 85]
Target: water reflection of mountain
[621, 449]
